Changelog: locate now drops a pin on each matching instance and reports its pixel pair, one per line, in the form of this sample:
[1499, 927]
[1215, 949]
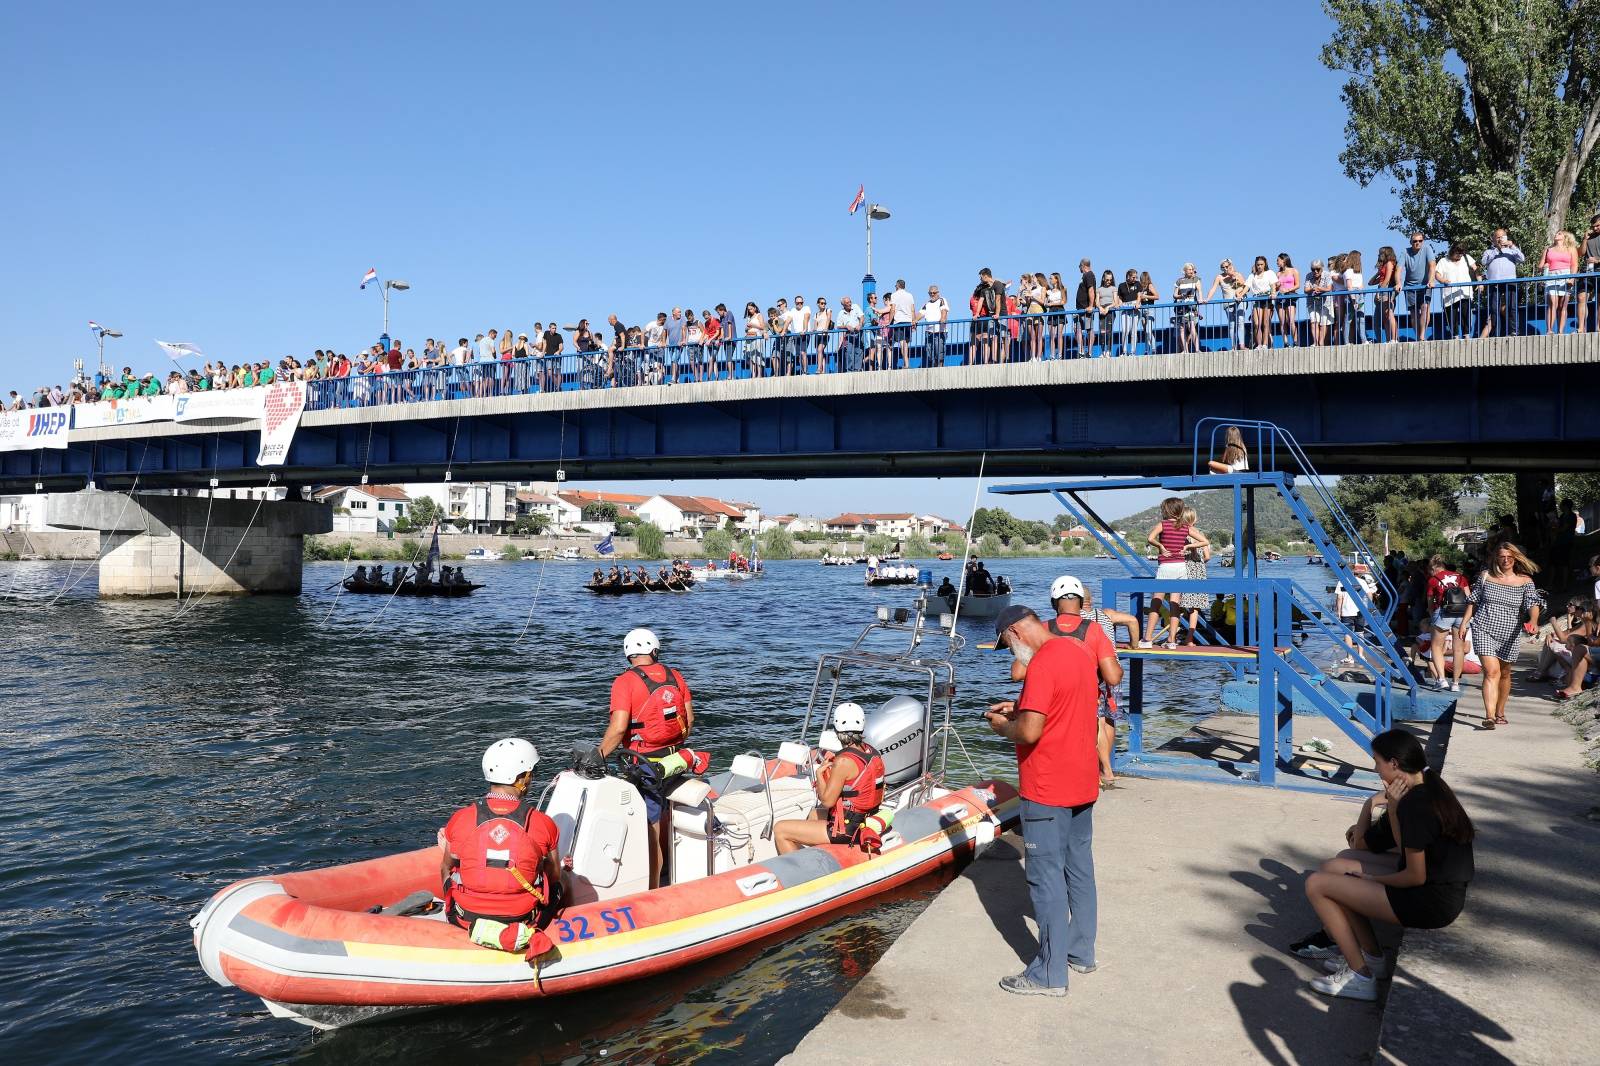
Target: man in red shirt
[1068, 598]
[499, 864]
[651, 715]
[1053, 726]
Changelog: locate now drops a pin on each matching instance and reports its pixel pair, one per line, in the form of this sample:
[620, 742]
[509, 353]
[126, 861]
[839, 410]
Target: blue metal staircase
[1274, 614]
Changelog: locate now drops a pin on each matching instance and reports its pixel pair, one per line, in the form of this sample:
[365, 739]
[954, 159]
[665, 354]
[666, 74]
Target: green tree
[1502, 492]
[877, 544]
[424, 512]
[995, 520]
[989, 544]
[626, 525]
[1410, 522]
[777, 544]
[1482, 113]
[1361, 495]
[531, 524]
[599, 511]
[650, 541]
[511, 554]
[717, 544]
[1034, 532]
[918, 547]
[1061, 523]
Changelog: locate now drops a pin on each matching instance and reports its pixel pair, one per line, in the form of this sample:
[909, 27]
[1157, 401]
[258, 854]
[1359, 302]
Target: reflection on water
[152, 758]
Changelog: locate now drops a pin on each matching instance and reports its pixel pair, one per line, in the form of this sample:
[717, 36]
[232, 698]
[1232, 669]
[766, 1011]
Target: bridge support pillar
[157, 545]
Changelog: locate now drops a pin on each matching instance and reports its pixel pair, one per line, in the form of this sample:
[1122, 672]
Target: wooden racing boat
[314, 946]
[636, 588]
[409, 588]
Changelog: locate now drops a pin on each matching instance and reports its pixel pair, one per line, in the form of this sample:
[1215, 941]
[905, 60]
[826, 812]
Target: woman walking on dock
[1500, 597]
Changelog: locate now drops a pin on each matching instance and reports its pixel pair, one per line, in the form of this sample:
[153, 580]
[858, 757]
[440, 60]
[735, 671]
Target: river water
[154, 755]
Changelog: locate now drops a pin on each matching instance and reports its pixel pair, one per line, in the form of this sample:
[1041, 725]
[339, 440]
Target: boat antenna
[966, 552]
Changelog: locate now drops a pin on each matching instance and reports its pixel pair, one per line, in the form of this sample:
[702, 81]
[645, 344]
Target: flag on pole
[95, 327]
[605, 547]
[861, 198]
[433, 550]
[180, 350]
[371, 275]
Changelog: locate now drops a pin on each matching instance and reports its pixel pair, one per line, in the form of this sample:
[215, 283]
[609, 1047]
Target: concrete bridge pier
[157, 545]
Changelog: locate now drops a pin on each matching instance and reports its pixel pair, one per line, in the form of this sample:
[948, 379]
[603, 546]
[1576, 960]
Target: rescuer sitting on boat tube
[651, 715]
[499, 866]
[849, 788]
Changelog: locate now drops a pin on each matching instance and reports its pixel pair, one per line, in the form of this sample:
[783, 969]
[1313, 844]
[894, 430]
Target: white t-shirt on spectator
[935, 313]
[1353, 280]
[798, 319]
[655, 334]
[905, 308]
[459, 355]
[486, 350]
[1452, 272]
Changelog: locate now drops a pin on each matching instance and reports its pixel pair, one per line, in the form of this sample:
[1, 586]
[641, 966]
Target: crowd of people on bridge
[1038, 315]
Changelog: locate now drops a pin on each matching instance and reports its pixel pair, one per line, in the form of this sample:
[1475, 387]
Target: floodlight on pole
[100, 335]
[869, 284]
[396, 285]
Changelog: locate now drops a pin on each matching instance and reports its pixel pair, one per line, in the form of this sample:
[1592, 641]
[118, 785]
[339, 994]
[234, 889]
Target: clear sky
[224, 174]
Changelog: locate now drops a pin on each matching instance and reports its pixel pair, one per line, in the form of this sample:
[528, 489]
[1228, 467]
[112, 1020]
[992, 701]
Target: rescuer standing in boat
[1053, 726]
[651, 715]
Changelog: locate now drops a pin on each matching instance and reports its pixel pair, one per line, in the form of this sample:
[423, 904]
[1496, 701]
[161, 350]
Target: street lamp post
[100, 335]
[397, 286]
[869, 284]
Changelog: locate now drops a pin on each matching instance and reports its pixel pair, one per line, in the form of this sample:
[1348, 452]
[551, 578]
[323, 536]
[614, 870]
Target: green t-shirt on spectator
[266, 376]
[150, 388]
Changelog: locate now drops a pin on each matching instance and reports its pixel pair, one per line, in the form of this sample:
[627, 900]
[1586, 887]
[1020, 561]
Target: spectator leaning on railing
[1500, 261]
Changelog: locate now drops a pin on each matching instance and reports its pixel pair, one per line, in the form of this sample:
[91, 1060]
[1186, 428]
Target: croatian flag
[371, 275]
[605, 547]
[861, 198]
[95, 327]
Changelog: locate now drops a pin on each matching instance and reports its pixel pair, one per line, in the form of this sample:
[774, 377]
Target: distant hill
[1274, 521]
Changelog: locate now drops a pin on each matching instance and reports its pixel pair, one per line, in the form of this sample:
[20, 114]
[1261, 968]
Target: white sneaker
[1346, 984]
[1455, 686]
[1378, 964]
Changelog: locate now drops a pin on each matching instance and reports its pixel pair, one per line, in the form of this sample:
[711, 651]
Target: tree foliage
[424, 512]
[994, 520]
[989, 544]
[531, 524]
[599, 512]
[918, 546]
[650, 541]
[776, 543]
[1483, 113]
[717, 543]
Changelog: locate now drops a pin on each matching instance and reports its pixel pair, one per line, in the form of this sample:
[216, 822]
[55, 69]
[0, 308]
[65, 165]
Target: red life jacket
[500, 864]
[862, 795]
[656, 728]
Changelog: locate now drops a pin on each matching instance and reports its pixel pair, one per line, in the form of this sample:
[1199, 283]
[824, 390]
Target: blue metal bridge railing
[1506, 308]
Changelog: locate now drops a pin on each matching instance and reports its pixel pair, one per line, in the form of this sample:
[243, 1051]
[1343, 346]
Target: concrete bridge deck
[1500, 403]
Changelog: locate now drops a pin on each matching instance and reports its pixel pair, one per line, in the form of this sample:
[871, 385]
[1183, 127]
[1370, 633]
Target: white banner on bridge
[280, 417]
[229, 405]
[124, 412]
[23, 431]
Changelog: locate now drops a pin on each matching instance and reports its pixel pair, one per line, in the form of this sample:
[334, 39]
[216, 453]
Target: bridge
[1509, 403]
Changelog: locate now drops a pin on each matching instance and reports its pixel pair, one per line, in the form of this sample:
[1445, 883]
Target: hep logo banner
[47, 423]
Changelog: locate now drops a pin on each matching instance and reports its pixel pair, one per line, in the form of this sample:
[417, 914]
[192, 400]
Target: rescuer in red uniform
[849, 788]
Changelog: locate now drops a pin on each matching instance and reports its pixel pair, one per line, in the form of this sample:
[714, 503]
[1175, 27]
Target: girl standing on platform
[1172, 537]
[1194, 562]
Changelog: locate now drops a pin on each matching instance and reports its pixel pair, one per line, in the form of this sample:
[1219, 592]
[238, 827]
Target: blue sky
[224, 174]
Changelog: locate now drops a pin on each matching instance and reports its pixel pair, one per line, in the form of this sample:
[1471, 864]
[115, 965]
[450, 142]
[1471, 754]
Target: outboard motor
[896, 729]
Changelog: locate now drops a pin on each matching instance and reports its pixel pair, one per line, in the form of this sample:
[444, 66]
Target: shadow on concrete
[1002, 887]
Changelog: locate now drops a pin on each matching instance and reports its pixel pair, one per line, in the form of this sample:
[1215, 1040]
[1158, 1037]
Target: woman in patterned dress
[1499, 597]
[1194, 564]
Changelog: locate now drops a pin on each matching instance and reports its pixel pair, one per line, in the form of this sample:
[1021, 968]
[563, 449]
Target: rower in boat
[360, 576]
[501, 876]
[424, 574]
[642, 576]
[612, 577]
[945, 588]
[598, 577]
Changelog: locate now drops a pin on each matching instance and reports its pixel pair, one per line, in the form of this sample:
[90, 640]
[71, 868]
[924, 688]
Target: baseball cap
[1066, 585]
[1007, 618]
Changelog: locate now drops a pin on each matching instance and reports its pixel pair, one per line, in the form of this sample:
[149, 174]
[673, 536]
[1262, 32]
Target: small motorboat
[976, 605]
[480, 553]
[349, 944]
[569, 553]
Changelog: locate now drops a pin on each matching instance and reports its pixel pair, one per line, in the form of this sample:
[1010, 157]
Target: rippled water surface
[153, 757]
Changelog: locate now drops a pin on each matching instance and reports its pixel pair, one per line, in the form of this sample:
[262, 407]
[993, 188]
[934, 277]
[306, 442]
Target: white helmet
[1066, 585]
[849, 718]
[508, 759]
[640, 642]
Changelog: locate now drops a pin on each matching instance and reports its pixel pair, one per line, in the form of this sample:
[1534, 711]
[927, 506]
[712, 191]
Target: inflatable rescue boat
[352, 943]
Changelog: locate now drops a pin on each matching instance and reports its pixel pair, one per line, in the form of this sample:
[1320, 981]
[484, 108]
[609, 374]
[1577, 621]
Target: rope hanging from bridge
[72, 583]
[349, 546]
[549, 545]
[192, 602]
[387, 600]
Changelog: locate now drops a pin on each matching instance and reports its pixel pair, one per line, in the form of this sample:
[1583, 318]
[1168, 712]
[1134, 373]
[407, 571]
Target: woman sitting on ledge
[1424, 886]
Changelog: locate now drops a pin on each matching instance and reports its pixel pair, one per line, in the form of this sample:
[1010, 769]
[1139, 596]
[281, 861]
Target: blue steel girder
[1533, 417]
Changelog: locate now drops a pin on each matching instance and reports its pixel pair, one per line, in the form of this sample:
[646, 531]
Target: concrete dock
[1200, 894]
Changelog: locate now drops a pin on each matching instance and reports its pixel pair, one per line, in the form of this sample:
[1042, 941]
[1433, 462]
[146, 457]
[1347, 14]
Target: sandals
[1488, 723]
[1500, 719]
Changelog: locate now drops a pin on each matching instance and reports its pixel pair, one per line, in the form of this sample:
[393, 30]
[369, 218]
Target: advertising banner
[280, 417]
[23, 431]
[230, 405]
[124, 412]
